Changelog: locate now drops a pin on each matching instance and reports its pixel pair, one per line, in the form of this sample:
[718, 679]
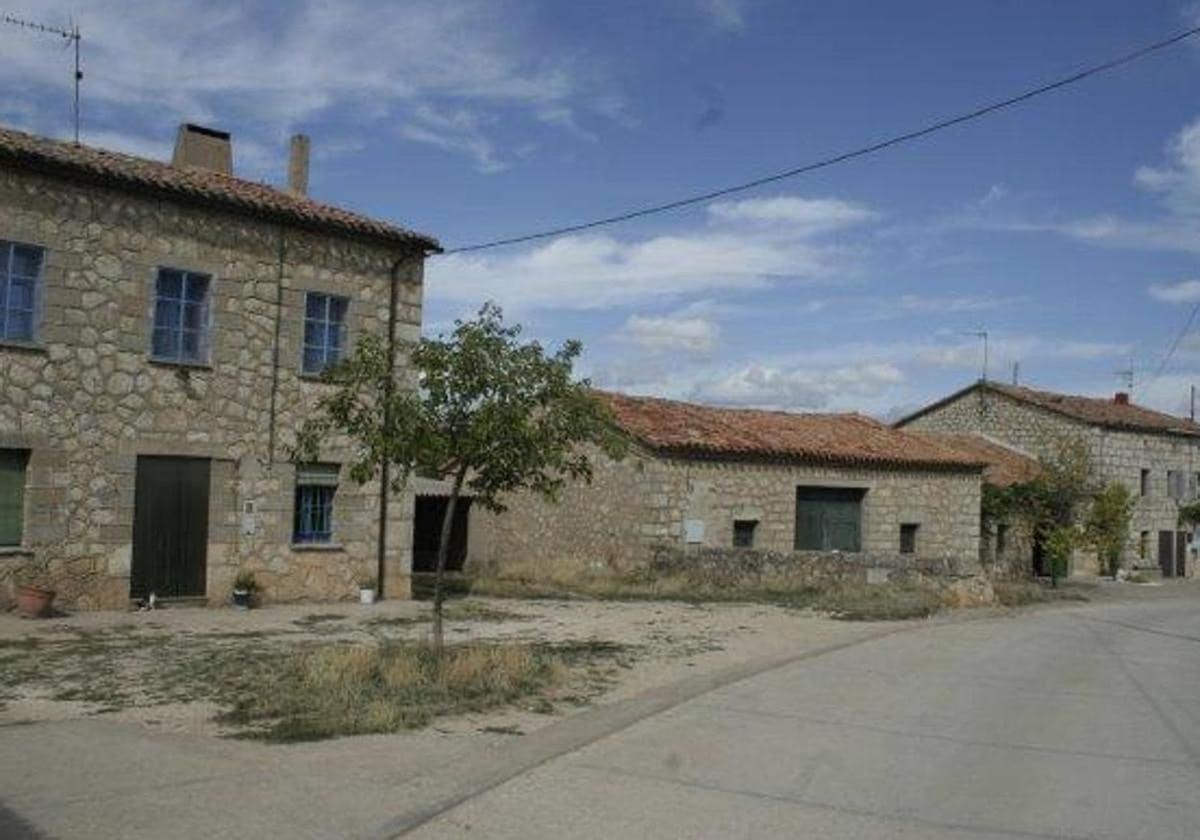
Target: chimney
[298, 165]
[203, 148]
[1121, 398]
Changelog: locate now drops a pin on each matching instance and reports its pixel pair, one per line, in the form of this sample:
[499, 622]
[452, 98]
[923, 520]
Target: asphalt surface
[1064, 723]
[1075, 722]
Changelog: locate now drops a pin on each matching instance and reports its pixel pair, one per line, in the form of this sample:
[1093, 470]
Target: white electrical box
[693, 530]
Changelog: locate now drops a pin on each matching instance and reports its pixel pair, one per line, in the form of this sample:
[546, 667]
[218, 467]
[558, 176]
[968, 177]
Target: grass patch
[848, 601]
[359, 689]
[1020, 593]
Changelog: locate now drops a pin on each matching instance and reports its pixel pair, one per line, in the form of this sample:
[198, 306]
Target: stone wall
[1116, 456]
[636, 507]
[86, 400]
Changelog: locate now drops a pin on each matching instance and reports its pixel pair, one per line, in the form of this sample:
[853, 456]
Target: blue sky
[1069, 229]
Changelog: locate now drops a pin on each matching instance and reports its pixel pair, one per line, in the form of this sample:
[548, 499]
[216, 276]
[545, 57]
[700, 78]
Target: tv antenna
[72, 37]
[982, 334]
[1126, 376]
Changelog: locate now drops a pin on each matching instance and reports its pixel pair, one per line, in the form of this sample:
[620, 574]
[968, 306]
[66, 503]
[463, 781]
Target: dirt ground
[153, 668]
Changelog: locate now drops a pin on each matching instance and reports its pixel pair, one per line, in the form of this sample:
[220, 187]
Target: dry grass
[359, 689]
[1021, 593]
[845, 600]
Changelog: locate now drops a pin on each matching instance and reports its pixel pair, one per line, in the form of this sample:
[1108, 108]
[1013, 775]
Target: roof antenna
[73, 38]
[1016, 373]
[1126, 377]
[984, 335]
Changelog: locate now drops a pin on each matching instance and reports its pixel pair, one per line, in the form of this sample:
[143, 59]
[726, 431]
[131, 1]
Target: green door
[829, 518]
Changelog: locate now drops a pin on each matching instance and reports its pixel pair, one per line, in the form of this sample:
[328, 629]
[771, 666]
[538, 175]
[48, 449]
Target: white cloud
[590, 271]
[1179, 179]
[729, 15]
[690, 334]
[803, 215]
[767, 386]
[1185, 291]
[266, 70]
[920, 304]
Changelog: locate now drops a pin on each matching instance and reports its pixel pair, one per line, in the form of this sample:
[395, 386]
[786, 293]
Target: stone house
[814, 487]
[1005, 547]
[1156, 455]
[161, 330]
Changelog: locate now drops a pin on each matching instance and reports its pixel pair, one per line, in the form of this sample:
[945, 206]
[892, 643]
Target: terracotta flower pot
[34, 601]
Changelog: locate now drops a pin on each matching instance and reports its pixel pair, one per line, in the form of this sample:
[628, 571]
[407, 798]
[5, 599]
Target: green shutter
[12, 495]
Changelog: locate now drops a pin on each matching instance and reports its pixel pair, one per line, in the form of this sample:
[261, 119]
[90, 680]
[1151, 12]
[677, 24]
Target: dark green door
[829, 519]
[170, 527]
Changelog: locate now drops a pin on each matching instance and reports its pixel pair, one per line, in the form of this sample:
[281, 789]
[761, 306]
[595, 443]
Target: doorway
[427, 532]
[1172, 553]
[170, 527]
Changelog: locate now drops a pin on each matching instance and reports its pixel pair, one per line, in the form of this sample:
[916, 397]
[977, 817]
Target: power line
[1187, 327]
[862, 151]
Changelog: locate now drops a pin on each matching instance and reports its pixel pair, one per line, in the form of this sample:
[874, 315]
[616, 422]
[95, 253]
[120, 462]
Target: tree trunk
[439, 592]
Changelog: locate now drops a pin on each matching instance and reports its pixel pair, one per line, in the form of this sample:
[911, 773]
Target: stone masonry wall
[86, 400]
[1116, 456]
[636, 507]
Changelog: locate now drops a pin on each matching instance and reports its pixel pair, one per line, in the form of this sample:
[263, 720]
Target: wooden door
[1166, 553]
[170, 527]
[1180, 553]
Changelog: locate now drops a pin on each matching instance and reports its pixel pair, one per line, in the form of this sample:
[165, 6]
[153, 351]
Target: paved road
[1065, 723]
[1080, 722]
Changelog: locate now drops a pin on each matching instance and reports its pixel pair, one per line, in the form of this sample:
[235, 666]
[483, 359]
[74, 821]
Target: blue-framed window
[324, 330]
[20, 268]
[181, 316]
[316, 485]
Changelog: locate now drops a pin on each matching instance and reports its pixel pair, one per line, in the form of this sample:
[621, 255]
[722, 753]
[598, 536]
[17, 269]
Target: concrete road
[1062, 723]
[1076, 722]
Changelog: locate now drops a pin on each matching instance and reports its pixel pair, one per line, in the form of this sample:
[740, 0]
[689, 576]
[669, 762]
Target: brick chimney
[203, 148]
[298, 165]
[1121, 398]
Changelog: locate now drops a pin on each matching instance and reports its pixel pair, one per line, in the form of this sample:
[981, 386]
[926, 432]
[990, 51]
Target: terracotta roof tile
[1099, 411]
[196, 185]
[1005, 465]
[679, 428]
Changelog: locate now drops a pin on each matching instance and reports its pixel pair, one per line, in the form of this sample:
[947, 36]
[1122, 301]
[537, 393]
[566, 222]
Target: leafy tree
[1189, 515]
[1049, 503]
[490, 414]
[1106, 528]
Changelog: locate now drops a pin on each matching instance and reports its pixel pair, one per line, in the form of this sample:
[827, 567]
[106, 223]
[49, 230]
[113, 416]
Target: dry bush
[355, 689]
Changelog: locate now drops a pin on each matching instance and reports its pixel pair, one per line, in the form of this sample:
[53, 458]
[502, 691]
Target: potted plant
[245, 587]
[34, 600]
[366, 590]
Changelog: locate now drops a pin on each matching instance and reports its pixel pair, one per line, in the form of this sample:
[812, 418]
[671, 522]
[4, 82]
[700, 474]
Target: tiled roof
[1096, 411]
[686, 429]
[195, 185]
[1005, 465]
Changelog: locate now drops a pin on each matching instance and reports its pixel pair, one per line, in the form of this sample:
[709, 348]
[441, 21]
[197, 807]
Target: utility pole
[1192, 413]
[1016, 373]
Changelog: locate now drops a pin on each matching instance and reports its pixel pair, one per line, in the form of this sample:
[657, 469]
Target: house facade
[1155, 455]
[818, 487]
[162, 328]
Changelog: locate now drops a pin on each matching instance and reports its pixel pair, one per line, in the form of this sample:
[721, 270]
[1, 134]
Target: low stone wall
[738, 564]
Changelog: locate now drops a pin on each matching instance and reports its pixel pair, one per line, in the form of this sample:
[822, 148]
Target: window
[1175, 484]
[1144, 545]
[181, 316]
[1144, 484]
[20, 267]
[743, 532]
[908, 538]
[315, 487]
[828, 518]
[324, 330]
[1001, 538]
[12, 495]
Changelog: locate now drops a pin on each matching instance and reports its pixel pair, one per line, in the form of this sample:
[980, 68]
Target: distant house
[1006, 547]
[701, 477]
[1156, 455]
[162, 328]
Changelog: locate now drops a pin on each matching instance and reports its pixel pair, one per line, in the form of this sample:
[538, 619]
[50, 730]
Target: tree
[1049, 503]
[1107, 526]
[489, 413]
